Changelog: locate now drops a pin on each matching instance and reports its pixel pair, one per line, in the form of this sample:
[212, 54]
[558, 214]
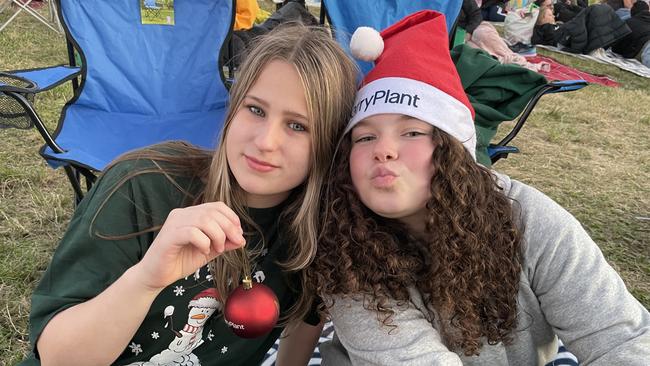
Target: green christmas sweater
[184, 325]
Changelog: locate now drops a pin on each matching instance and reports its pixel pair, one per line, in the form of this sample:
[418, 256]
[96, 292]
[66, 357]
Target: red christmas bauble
[253, 312]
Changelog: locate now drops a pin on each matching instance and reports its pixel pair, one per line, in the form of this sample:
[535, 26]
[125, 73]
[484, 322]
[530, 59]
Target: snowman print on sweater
[179, 351]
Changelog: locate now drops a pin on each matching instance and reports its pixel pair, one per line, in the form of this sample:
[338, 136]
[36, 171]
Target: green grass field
[589, 150]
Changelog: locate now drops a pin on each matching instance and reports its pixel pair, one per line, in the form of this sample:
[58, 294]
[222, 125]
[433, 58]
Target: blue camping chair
[137, 85]
[346, 16]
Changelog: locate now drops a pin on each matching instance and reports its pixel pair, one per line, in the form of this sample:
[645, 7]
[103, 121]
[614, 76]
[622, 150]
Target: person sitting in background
[470, 17]
[483, 35]
[544, 4]
[636, 44]
[565, 10]
[546, 31]
[291, 11]
[493, 10]
[595, 27]
[621, 7]
[245, 14]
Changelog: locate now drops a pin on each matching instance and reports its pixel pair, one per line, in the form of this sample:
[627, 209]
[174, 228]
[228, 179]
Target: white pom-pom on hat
[366, 44]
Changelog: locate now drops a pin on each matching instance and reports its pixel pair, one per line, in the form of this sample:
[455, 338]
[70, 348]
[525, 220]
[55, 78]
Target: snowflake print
[210, 335]
[265, 251]
[179, 290]
[135, 348]
[155, 335]
[224, 349]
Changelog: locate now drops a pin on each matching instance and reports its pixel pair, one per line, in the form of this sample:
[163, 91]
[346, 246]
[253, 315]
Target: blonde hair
[542, 14]
[328, 77]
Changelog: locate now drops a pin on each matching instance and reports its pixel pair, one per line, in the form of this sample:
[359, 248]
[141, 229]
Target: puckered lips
[382, 177]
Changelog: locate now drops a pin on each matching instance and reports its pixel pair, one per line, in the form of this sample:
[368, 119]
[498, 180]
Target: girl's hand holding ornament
[189, 239]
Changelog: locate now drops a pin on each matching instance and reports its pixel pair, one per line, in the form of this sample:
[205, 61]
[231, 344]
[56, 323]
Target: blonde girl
[144, 269]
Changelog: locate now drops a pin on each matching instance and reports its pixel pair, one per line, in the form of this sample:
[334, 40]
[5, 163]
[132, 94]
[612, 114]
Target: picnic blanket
[563, 357]
[558, 71]
[610, 58]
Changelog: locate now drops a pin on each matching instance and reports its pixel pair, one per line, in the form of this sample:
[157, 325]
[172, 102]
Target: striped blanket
[563, 358]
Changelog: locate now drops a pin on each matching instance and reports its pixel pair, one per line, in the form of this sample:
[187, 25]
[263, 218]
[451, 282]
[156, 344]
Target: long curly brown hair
[467, 268]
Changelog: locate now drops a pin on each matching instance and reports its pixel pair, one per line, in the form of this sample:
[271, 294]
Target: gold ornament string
[246, 266]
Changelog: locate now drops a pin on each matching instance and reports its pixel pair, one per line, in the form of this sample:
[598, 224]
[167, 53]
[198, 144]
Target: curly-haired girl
[425, 252]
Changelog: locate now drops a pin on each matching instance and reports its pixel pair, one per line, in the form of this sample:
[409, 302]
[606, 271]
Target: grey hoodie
[567, 289]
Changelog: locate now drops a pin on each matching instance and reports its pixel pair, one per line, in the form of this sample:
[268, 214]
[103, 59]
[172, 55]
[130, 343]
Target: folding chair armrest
[48, 77]
[496, 152]
[20, 86]
[567, 85]
[16, 97]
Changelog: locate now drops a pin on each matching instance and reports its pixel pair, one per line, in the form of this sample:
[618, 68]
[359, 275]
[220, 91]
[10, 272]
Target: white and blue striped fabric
[563, 358]
[326, 335]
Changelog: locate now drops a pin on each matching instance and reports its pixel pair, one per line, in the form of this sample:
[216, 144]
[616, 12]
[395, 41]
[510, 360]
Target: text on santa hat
[233, 325]
[386, 97]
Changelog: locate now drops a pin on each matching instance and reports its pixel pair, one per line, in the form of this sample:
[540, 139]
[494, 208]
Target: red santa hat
[207, 298]
[413, 75]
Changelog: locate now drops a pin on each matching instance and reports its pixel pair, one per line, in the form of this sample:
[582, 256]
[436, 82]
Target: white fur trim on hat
[366, 44]
[418, 100]
[205, 302]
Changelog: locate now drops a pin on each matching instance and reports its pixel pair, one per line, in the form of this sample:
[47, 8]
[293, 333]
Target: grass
[35, 202]
[589, 150]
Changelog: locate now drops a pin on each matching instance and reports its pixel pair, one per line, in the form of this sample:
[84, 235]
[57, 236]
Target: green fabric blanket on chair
[497, 92]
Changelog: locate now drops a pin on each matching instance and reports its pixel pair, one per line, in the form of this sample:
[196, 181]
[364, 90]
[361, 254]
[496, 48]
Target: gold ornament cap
[247, 283]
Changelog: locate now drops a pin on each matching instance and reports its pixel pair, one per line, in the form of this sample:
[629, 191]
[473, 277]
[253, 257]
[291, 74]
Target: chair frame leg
[30, 11]
[73, 177]
[73, 173]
